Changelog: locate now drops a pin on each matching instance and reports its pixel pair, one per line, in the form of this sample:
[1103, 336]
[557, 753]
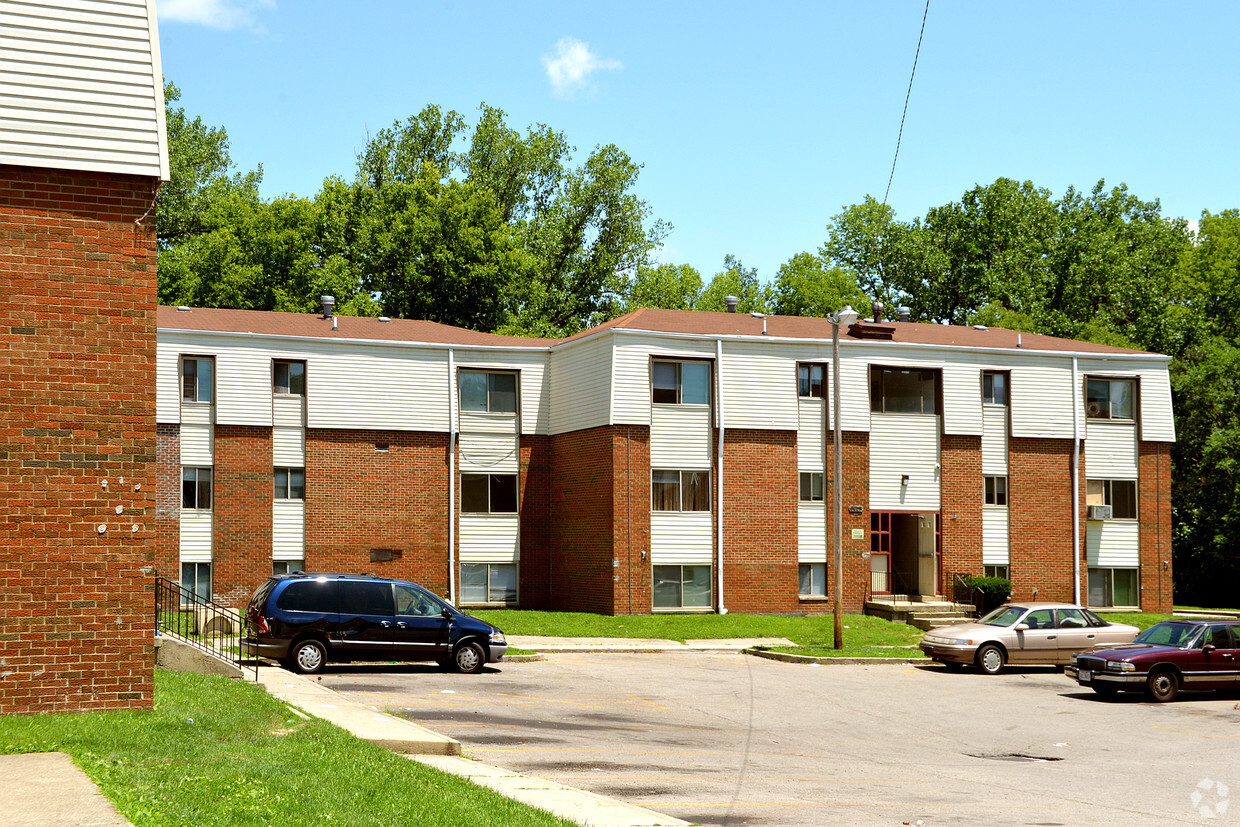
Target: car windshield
[1003, 616]
[1170, 633]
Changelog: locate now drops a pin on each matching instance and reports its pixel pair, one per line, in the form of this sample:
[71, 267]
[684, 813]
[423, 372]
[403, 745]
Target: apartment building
[663, 461]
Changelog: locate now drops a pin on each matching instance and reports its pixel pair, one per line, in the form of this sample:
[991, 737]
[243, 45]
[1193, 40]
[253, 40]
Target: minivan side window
[308, 596]
[363, 598]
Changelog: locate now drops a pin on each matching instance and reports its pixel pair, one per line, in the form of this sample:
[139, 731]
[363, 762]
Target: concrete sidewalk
[47, 789]
[535, 643]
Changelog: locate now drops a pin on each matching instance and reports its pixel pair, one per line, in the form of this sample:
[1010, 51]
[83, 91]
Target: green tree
[734, 280]
[669, 286]
[867, 239]
[807, 286]
[1210, 273]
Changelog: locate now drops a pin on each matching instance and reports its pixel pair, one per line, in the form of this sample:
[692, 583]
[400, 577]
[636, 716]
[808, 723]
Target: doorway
[906, 545]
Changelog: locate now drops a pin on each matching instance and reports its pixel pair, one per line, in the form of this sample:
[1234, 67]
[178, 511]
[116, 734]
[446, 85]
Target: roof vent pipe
[731, 302]
[877, 309]
[903, 312]
[328, 303]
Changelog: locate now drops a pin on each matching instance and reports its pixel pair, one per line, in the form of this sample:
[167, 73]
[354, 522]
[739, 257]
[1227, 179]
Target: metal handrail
[200, 622]
[972, 594]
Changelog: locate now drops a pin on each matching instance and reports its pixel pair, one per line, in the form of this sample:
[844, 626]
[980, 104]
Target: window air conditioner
[1098, 512]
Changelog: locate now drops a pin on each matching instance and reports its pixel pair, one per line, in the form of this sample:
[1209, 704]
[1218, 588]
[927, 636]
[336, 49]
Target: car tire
[307, 657]
[1162, 685]
[1104, 691]
[990, 659]
[469, 658]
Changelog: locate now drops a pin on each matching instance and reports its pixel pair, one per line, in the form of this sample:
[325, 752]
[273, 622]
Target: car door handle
[400, 625]
[1091, 637]
[385, 624]
[1050, 637]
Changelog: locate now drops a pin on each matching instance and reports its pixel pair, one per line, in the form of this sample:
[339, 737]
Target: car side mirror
[1209, 647]
[447, 613]
[1022, 627]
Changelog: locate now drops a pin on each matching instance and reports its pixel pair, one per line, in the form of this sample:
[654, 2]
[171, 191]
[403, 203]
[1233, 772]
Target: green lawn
[863, 636]
[221, 752]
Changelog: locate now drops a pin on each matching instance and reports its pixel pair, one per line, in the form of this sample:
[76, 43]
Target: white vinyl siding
[490, 538]
[1111, 450]
[196, 413]
[81, 87]
[195, 536]
[994, 440]
[809, 434]
[1154, 395]
[962, 398]
[197, 445]
[1041, 399]
[811, 533]
[631, 377]
[533, 389]
[681, 538]
[288, 531]
[287, 409]
[854, 393]
[288, 446]
[377, 388]
[167, 382]
[903, 444]
[759, 387]
[1112, 544]
[680, 437]
[487, 452]
[995, 543]
[580, 385]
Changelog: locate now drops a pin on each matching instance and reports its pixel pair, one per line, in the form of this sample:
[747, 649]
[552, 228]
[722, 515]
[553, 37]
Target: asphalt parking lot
[734, 739]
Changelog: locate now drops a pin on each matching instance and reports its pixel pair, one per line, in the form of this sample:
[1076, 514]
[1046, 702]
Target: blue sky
[755, 122]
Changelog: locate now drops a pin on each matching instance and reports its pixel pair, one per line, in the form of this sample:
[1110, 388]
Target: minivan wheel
[308, 657]
[469, 658]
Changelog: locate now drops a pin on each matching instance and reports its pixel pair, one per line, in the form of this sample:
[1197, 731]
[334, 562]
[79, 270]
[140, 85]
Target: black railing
[200, 622]
[964, 592]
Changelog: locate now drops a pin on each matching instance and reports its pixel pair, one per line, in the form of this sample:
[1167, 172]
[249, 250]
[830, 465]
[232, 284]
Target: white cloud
[569, 69]
[217, 14]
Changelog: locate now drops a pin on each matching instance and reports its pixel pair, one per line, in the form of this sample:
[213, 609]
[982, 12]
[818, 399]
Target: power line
[907, 95]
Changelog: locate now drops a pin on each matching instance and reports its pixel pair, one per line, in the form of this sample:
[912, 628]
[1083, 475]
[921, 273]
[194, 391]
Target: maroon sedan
[1165, 658]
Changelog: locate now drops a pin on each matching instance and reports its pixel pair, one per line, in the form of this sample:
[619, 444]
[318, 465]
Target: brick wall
[856, 492]
[534, 585]
[359, 498]
[168, 501]
[77, 407]
[242, 512]
[1040, 514]
[961, 513]
[1154, 509]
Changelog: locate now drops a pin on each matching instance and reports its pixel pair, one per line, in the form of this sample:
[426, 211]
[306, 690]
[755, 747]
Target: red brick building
[664, 461]
[78, 176]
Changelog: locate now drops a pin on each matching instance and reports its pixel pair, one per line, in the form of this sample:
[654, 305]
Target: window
[813, 579]
[196, 488]
[1121, 495]
[413, 602]
[894, 390]
[197, 382]
[489, 583]
[489, 392]
[1109, 398]
[997, 571]
[1113, 587]
[994, 388]
[289, 378]
[365, 597]
[682, 587]
[684, 383]
[680, 490]
[811, 486]
[196, 579]
[810, 381]
[288, 566]
[318, 595]
[488, 493]
[290, 484]
[996, 490]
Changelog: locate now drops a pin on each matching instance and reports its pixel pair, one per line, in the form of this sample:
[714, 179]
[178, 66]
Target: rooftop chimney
[731, 302]
[902, 311]
[877, 309]
[328, 303]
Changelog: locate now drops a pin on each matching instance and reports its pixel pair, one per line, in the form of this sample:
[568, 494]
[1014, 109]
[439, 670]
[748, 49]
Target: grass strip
[216, 751]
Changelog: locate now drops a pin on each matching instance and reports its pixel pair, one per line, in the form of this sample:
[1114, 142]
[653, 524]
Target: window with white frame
[1110, 398]
[682, 587]
[680, 383]
[679, 490]
[488, 493]
[196, 579]
[1113, 587]
[813, 579]
[196, 488]
[997, 571]
[288, 378]
[995, 490]
[1121, 495]
[903, 390]
[489, 392]
[288, 566]
[811, 380]
[489, 583]
[994, 388]
[811, 486]
[290, 483]
[197, 378]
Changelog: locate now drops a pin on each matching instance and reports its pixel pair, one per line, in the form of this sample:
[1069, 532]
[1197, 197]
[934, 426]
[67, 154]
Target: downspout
[1076, 486]
[451, 477]
[719, 469]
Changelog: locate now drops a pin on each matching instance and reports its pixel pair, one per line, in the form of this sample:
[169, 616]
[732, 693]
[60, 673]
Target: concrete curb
[790, 658]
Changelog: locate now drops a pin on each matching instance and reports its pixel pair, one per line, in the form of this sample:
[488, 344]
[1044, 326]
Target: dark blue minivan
[308, 620]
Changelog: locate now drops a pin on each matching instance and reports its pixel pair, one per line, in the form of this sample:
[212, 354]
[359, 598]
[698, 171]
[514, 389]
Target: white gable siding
[197, 445]
[378, 388]
[1157, 420]
[994, 536]
[809, 435]
[488, 453]
[994, 440]
[1111, 450]
[759, 386]
[962, 397]
[1041, 399]
[631, 371]
[681, 538]
[490, 538]
[855, 391]
[196, 536]
[904, 444]
[1112, 543]
[81, 87]
[288, 530]
[288, 446]
[811, 533]
[579, 380]
[680, 437]
[196, 413]
[167, 382]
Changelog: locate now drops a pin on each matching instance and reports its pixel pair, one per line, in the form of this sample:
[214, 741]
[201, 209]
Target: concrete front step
[928, 622]
[940, 613]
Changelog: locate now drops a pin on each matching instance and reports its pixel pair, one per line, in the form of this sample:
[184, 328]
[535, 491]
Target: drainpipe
[1076, 485]
[451, 477]
[719, 469]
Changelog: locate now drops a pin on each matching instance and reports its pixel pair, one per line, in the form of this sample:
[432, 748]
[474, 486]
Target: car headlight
[498, 637]
[1120, 666]
[947, 641]
[1072, 660]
